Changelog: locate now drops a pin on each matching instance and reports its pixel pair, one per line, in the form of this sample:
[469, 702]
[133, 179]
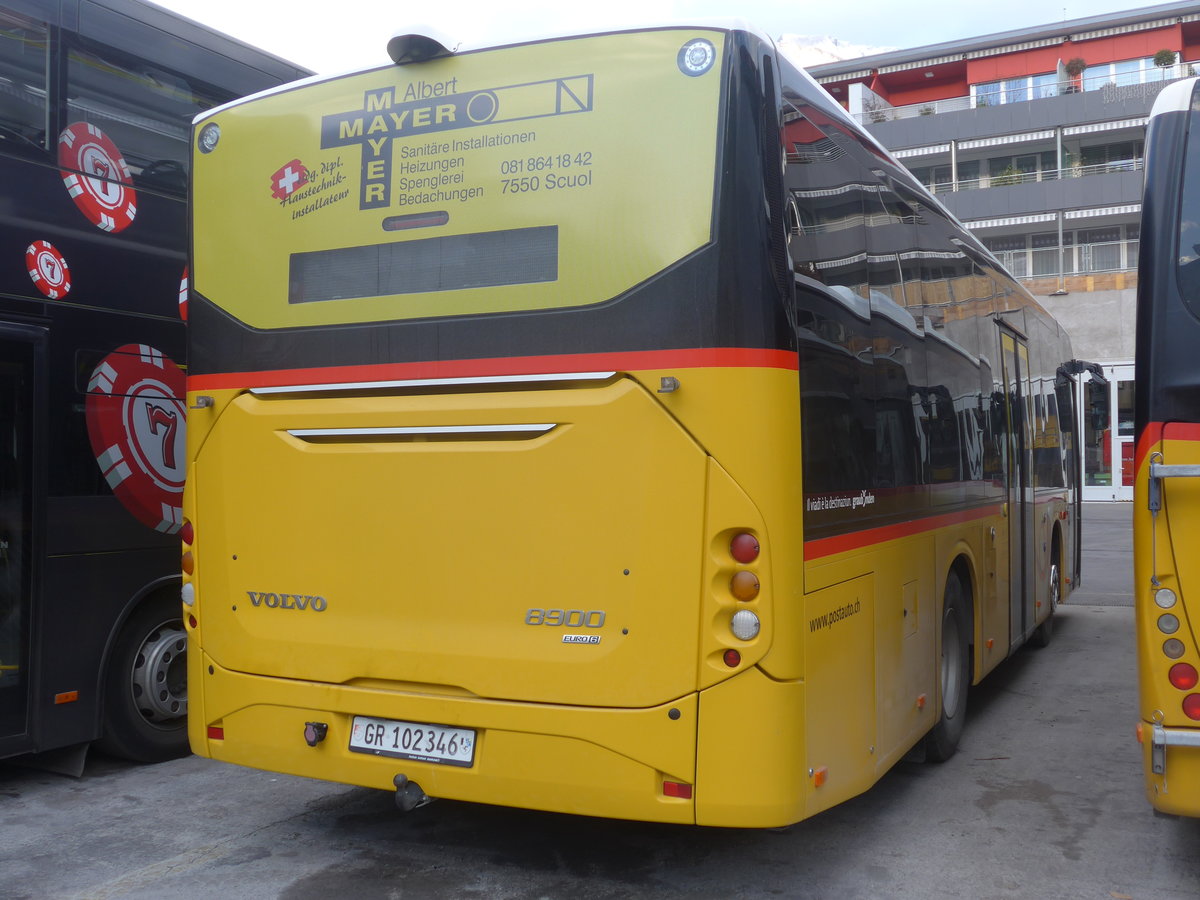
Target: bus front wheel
[145, 694]
[955, 670]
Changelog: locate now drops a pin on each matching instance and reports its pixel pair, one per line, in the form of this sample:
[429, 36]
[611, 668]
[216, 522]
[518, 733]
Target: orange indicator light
[744, 585]
[66, 697]
[820, 774]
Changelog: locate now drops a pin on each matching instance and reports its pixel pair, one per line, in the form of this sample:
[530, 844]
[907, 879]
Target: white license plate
[413, 740]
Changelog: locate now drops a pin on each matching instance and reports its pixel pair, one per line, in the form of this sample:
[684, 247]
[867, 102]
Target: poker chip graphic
[136, 423]
[96, 177]
[48, 269]
[183, 294]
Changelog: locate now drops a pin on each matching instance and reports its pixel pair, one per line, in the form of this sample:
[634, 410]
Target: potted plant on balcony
[1075, 67]
[1164, 59]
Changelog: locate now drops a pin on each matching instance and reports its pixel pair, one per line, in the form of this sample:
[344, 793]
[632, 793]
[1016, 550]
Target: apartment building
[1034, 138]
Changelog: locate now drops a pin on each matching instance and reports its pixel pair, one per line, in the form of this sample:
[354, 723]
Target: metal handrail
[1078, 259]
[1004, 179]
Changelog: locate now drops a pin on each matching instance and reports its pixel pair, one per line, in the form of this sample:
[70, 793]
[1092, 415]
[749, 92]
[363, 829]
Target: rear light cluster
[187, 593]
[1182, 675]
[744, 586]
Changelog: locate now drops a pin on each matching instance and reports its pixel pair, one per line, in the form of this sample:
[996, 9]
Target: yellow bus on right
[1166, 516]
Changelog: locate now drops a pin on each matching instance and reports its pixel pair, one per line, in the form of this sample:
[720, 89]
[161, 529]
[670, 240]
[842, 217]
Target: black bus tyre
[145, 687]
[1043, 633]
[955, 671]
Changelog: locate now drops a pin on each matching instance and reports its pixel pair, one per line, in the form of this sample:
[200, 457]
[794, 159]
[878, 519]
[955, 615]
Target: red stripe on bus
[1156, 432]
[859, 539]
[636, 360]
[1148, 440]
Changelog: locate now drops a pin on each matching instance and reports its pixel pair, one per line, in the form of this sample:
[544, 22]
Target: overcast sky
[349, 34]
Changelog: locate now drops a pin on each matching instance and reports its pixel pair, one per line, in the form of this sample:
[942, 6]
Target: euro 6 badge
[136, 424]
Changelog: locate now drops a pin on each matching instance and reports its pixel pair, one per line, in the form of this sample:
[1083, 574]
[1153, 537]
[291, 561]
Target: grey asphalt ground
[1043, 800]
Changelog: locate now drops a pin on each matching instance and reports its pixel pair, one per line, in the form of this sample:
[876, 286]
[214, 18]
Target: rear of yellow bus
[1166, 508]
[494, 481]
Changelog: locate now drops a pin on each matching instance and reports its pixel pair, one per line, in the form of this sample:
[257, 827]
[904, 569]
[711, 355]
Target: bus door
[1019, 499]
[20, 355]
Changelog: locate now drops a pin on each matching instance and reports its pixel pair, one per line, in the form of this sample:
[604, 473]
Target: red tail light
[744, 548]
[677, 789]
[1191, 706]
[187, 533]
[1183, 676]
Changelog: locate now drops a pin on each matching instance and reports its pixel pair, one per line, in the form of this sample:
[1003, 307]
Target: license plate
[413, 740]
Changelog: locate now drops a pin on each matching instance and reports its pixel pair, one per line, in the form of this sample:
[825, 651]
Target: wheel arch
[147, 593]
[963, 563]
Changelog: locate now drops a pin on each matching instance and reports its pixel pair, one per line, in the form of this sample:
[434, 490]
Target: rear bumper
[599, 762]
[1172, 766]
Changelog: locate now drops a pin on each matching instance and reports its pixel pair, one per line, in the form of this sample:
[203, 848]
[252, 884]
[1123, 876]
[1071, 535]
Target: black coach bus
[96, 102]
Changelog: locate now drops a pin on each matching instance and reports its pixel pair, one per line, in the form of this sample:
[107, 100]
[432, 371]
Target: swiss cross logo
[290, 178]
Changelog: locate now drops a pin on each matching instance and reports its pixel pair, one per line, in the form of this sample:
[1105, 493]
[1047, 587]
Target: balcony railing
[1081, 259]
[884, 112]
[1005, 178]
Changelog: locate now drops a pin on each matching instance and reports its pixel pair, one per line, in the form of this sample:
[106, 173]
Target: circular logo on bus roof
[96, 177]
[48, 269]
[136, 423]
[697, 57]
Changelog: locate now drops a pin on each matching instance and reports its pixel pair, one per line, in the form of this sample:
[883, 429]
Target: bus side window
[145, 111]
[23, 109]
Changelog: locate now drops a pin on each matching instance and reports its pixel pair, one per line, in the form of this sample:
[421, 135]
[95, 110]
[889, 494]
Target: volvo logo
[288, 601]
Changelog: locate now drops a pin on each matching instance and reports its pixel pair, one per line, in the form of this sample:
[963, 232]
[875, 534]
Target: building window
[1016, 90]
[1127, 71]
[1085, 251]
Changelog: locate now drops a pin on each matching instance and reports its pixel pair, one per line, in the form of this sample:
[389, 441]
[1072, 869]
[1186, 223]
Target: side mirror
[1097, 404]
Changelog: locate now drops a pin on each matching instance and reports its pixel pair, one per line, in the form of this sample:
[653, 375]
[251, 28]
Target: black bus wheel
[145, 694]
[955, 676]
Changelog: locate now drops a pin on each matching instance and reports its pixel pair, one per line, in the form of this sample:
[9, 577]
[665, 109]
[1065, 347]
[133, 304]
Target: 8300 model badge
[569, 618]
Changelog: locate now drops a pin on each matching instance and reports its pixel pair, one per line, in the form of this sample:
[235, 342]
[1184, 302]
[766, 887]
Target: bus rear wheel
[955, 670]
[1042, 634]
[145, 695]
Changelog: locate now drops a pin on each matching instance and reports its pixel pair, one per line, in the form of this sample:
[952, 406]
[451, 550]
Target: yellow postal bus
[1166, 490]
[603, 425]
